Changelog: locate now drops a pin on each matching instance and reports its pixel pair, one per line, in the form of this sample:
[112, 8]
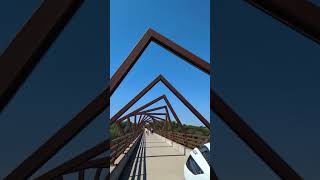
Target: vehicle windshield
[193, 166]
[205, 153]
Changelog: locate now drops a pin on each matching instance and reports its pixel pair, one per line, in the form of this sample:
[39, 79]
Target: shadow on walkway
[158, 146]
[167, 155]
[135, 164]
[163, 160]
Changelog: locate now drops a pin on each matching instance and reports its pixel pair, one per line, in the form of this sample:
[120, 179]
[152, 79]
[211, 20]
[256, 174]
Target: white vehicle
[197, 166]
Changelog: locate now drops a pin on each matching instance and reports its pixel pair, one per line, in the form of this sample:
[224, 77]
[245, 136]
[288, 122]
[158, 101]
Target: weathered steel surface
[257, 144]
[301, 15]
[76, 161]
[31, 42]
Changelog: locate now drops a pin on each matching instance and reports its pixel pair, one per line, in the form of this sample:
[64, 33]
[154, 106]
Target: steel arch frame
[299, 14]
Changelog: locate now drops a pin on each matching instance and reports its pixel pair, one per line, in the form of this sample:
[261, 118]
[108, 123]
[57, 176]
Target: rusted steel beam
[213, 174]
[146, 112]
[147, 118]
[301, 15]
[98, 173]
[145, 90]
[125, 67]
[151, 122]
[142, 112]
[157, 114]
[168, 104]
[134, 100]
[189, 57]
[139, 118]
[155, 117]
[59, 178]
[165, 122]
[173, 111]
[157, 121]
[76, 161]
[130, 124]
[154, 109]
[140, 124]
[185, 101]
[127, 125]
[81, 175]
[257, 144]
[95, 163]
[180, 51]
[154, 121]
[127, 106]
[144, 121]
[107, 176]
[134, 55]
[135, 122]
[61, 137]
[144, 118]
[151, 35]
[120, 129]
[31, 43]
[168, 117]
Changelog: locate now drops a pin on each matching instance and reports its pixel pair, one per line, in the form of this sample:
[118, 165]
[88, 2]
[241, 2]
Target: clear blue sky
[187, 22]
[266, 71]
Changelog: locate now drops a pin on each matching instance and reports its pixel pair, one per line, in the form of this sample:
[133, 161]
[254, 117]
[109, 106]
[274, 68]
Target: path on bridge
[155, 159]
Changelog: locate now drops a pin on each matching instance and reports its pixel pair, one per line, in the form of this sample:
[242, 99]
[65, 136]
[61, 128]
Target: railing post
[117, 149]
[184, 139]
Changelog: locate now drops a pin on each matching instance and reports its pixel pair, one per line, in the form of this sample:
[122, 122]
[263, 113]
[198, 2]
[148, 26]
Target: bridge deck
[155, 159]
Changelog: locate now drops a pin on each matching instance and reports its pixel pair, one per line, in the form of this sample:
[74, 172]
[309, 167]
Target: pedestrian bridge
[43, 31]
[155, 158]
[151, 156]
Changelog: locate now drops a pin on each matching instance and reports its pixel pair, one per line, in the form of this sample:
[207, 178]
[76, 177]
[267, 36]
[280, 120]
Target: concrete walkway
[155, 159]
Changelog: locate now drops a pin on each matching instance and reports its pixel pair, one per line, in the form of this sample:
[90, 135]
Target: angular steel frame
[161, 107]
[238, 125]
[77, 161]
[31, 43]
[301, 15]
[162, 79]
[61, 138]
[149, 104]
[146, 113]
[150, 115]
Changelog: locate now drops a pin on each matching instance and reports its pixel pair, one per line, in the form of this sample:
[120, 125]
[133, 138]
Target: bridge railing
[120, 144]
[37, 35]
[186, 139]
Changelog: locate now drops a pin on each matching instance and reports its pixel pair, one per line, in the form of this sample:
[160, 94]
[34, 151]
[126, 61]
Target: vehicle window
[205, 153]
[193, 166]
